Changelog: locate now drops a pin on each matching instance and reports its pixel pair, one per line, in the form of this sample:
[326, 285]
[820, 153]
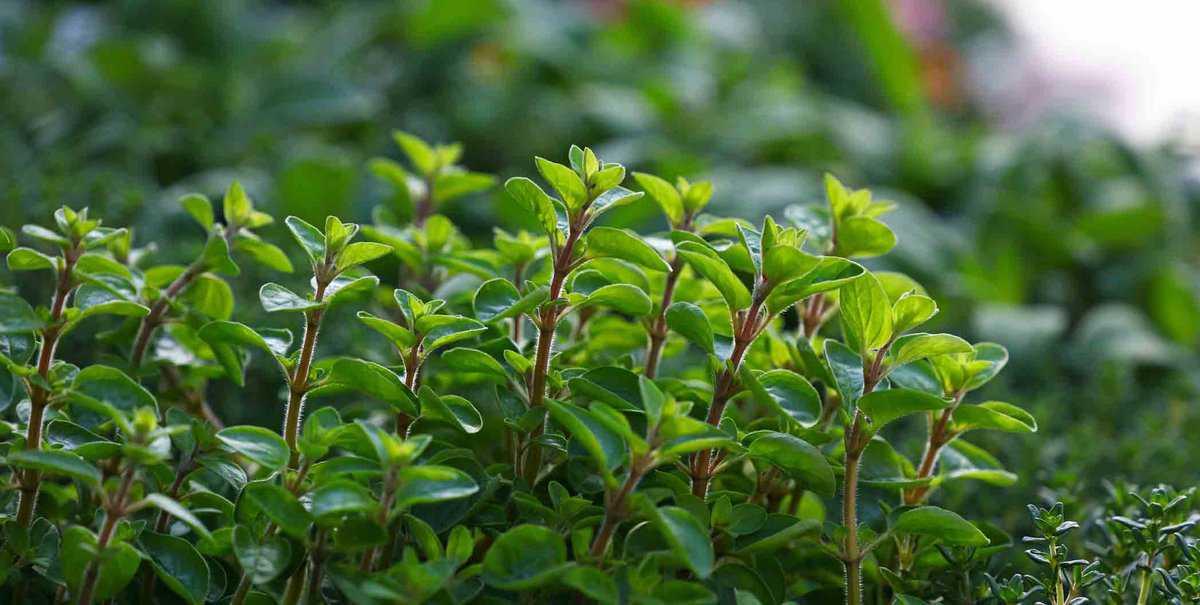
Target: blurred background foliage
[1059, 240]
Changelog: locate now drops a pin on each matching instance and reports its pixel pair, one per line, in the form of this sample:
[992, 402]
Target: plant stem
[412, 375]
[853, 559]
[381, 517]
[243, 589]
[615, 511]
[298, 388]
[192, 399]
[518, 271]
[1145, 588]
[113, 513]
[938, 438]
[31, 480]
[164, 518]
[295, 585]
[157, 313]
[547, 322]
[658, 329]
[746, 330]
[856, 441]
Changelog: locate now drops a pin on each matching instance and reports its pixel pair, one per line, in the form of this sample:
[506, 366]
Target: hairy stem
[856, 440]
[298, 388]
[658, 329]
[617, 507]
[853, 559]
[39, 397]
[158, 312]
[113, 514]
[381, 517]
[938, 438]
[547, 323]
[746, 330]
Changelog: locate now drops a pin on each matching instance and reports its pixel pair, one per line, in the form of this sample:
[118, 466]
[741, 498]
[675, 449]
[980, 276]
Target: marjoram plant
[575, 413]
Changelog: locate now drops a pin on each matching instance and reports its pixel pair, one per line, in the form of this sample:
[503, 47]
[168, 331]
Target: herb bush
[580, 412]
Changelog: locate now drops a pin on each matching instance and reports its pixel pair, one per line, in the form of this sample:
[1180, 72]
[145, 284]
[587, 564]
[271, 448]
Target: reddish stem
[658, 330]
[31, 480]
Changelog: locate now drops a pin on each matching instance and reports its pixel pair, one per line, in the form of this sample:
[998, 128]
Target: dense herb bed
[577, 412]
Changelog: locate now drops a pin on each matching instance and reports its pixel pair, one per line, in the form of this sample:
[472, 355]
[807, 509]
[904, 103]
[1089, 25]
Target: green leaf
[689, 321]
[422, 156]
[451, 185]
[612, 199]
[705, 261]
[863, 236]
[116, 566]
[604, 445]
[619, 243]
[367, 378]
[474, 361]
[452, 409]
[223, 336]
[178, 511]
[994, 415]
[685, 435]
[344, 288]
[595, 584]
[266, 254]
[940, 523]
[56, 462]
[912, 310]
[784, 263]
[280, 506]
[830, 273]
[401, 337]
[309, 237]
[443, 330]
[275, 297]
[114, 387]
[258, 444]
[178, 565]
[995, 355]
[45, 235]
[653, 400]
[28, 259]
[535, 201]
[787, 393]
[625, 298]
[885, 406]
[262, 561]
[498, 299]
[612, 385]
[360, 252]
[911, 347]
[798, 459]
[847, 369]
[340, 498]
[525, 557]
[199, 208]
[663, 194]
[215, 256]
[564, 180]
[687, 537]
[866, 313]
[777, 531]
[209, 295]
[432, 483]
[16, 316]
[237, 205]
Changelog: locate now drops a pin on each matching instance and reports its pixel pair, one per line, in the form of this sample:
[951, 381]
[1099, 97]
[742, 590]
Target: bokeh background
[1047, 190]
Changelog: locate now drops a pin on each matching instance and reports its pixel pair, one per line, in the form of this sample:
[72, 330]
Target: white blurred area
[1135, 64]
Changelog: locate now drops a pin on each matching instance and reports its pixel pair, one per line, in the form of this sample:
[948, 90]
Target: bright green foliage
[499, 429]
